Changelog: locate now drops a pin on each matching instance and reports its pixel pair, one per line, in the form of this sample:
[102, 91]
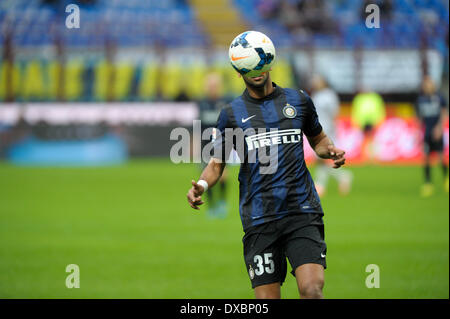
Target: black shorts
[432, 145]
[298, 237]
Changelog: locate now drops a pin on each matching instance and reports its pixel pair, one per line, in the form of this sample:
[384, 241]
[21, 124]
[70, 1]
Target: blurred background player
[368, 112]
[327, 107]
[210, 108]
[432, 112]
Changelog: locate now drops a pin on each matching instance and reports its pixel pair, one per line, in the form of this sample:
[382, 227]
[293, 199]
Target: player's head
[213, 83]
[428, 86]
[318, 82]
[252, 55]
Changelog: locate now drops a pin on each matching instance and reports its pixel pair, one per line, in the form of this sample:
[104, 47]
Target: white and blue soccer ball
[252, 53]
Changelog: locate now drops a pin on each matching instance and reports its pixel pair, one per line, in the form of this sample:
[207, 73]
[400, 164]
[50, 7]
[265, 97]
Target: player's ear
[239, 75]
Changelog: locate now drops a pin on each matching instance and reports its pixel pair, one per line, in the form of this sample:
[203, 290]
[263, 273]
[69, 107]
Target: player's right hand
[337, 155]
[194, 195]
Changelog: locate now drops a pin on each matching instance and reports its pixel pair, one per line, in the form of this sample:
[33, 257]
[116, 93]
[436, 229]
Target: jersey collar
[278, 90]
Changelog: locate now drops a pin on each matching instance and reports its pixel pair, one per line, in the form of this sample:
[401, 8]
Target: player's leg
[223, 188]
[443, 165]
[321, 177]
[306, 249]
[269, 291]
[427, 169]
[265, 261]
[310, 281]
[211, 202]
[222, 206]
[444, 172]
[267, 271]
[216, 200]
[437, 146]
[427, 188]
[344, 178]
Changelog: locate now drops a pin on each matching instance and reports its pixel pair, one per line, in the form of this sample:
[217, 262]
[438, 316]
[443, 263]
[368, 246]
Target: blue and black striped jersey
[428, 109]
[273, 129]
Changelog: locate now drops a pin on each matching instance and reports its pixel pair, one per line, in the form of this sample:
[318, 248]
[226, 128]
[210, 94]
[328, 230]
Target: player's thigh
[428, 145]
[264, 259]
[306, 251]
[306, 245]
[437, 145]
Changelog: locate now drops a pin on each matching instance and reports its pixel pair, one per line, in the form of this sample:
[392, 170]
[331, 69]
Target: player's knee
[312, 289]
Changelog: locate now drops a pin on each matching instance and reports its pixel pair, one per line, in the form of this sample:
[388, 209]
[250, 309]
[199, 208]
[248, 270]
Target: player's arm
[324, 148]
[211, 174]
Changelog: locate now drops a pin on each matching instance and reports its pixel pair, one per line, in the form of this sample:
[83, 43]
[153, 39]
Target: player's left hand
[337, 155]
[194, 195]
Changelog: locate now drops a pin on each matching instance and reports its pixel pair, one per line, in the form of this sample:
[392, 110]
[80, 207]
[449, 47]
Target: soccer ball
[251, 53]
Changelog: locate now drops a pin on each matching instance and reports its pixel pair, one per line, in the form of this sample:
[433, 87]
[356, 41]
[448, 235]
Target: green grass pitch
[132, 234]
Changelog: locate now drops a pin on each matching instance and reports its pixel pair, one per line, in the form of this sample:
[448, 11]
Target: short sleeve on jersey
[312, 126]
[222, 141]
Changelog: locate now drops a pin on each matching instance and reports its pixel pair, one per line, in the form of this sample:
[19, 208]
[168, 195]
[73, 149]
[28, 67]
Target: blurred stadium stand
[318, 23]
[127, 22]
[173, 23]
[135, 50]
[149, 51]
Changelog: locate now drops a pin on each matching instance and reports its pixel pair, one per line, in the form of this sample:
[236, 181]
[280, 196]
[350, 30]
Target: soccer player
[327, 106]
[431, 110]
[280, 211]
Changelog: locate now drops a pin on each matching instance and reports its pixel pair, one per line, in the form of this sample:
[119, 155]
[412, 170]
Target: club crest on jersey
[251, 272]
[289, 111]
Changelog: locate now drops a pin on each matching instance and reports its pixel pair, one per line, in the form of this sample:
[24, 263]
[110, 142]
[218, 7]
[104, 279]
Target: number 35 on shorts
[262, 265]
